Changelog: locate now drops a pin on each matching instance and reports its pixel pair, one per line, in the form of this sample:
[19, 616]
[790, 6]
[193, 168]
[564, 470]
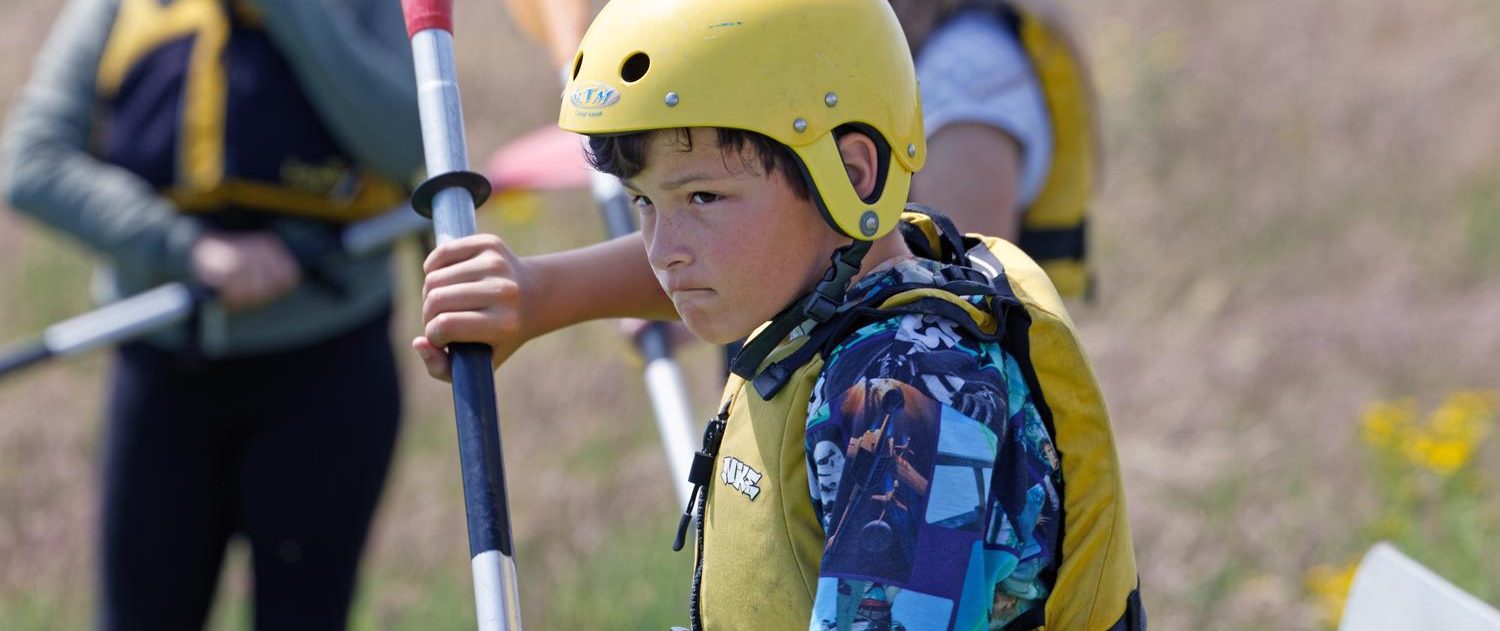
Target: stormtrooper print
[933, 475]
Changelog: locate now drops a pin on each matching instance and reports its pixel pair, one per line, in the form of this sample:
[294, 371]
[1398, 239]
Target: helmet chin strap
[829, 293]
[818, 305]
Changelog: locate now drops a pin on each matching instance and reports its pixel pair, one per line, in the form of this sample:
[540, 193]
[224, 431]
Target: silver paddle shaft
[496, 593]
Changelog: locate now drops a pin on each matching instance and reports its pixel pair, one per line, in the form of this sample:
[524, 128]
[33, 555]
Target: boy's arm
[922, 477]
[477, 290]
[873, 466]
[605, 280]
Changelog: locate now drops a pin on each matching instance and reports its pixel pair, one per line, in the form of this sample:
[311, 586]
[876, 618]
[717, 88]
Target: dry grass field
[1301, 217]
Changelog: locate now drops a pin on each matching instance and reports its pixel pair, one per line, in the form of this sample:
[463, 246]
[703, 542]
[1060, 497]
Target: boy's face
[730, 244]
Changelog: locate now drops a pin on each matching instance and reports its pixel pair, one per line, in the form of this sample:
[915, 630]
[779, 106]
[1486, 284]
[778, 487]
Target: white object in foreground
[1391, 592]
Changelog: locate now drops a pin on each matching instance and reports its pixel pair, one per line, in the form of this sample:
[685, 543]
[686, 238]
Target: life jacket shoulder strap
[933, 236]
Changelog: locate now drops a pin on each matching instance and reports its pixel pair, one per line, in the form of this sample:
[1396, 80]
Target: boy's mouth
[694, 292]
[689, 298]
[677, 287]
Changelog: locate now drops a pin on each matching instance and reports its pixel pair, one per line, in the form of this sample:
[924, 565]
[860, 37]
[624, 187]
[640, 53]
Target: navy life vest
[198, 102]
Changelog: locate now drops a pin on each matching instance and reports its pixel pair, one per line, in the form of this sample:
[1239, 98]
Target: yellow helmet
[792, 70]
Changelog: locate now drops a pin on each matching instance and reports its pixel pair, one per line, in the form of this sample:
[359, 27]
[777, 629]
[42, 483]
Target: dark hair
[624, 156]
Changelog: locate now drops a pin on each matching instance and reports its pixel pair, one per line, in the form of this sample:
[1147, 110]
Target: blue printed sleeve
[935, 480]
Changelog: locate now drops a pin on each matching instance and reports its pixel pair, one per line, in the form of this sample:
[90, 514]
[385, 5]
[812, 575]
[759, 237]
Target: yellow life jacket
[198, 102]
[759, 541]
[1054, 227]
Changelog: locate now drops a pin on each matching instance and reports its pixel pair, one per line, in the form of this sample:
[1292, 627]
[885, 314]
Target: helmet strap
[829, 293]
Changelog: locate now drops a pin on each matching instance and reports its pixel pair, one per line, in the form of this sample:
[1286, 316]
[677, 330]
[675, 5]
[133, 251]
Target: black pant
[288, 449]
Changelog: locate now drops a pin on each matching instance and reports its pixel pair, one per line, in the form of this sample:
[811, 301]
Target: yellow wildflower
[1453, 431]
[1463, 415]
[1386, 422]
[1417, 446]
[1448, 456]
[1329, 586]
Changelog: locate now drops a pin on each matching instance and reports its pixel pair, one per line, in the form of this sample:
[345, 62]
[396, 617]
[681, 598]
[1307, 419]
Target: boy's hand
[472, 294]
[246, 269]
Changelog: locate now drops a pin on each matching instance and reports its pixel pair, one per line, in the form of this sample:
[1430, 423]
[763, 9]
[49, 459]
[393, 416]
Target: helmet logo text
[594, 96]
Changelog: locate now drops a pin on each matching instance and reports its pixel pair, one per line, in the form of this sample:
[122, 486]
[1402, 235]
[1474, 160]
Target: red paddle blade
[547, 159]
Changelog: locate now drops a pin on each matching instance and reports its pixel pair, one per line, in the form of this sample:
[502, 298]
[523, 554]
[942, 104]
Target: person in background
[212, 142]
[1009, 117]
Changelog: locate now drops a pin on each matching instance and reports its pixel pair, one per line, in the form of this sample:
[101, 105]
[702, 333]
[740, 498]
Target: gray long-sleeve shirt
[353, 61]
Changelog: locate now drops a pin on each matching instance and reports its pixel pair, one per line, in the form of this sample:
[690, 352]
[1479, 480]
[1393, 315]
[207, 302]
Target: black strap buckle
[702, 470]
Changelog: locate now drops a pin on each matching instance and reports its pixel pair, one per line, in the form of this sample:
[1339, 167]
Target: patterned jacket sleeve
[923, 466]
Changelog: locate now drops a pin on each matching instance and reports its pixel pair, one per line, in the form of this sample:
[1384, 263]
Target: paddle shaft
[496, 593]
[171, 304]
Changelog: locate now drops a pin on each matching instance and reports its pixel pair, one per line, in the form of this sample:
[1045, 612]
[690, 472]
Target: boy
[889, 453]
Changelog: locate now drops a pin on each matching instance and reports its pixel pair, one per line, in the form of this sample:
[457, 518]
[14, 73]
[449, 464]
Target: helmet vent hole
[577, 64]
[635, 67]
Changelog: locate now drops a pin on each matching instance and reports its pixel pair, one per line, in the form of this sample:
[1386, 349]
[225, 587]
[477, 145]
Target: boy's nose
[665, 246]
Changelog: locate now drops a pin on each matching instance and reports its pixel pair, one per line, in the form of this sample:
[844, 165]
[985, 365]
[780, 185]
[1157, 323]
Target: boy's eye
[701, 197]
[640, 201]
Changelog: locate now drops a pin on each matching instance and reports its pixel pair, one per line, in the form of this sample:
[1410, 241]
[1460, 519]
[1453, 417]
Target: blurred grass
[45, 265]
[1300, 216]
[1482, 227]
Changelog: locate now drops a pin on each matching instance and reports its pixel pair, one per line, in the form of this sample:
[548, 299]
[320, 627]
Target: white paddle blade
[558, 24]
[1391, 592]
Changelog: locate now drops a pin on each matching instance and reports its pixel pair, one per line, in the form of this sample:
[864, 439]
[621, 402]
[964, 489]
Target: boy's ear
[861, 162]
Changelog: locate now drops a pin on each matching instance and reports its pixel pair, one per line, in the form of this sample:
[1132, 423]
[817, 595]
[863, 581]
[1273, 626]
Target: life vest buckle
[702, 470]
